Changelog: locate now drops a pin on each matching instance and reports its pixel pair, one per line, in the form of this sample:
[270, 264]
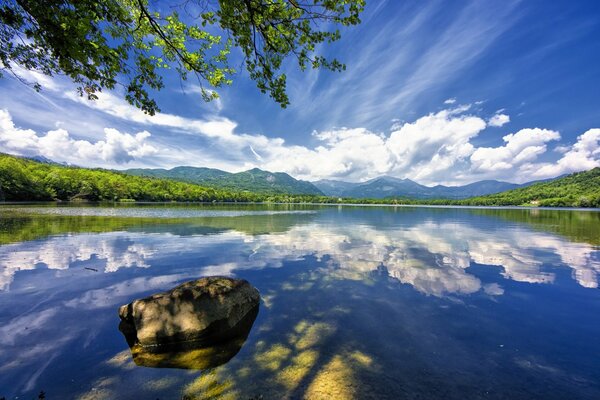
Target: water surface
[357, 302]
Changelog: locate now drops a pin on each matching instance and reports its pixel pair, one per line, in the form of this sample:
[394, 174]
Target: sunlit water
[357, 302]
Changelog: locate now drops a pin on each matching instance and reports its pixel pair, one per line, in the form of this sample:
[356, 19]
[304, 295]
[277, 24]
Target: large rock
[204, 312]
[190, 355]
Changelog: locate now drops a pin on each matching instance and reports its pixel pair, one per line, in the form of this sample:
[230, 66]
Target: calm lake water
[357, 302]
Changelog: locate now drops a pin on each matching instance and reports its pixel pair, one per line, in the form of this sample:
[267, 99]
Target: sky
[435, 91]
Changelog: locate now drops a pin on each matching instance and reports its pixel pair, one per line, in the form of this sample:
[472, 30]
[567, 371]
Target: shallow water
[357, 302]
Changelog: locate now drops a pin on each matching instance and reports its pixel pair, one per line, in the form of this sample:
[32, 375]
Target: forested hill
[254, 180]
[581, 189]
[28, 180]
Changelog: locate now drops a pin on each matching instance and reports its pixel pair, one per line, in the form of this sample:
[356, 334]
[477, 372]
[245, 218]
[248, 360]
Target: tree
[102, 44]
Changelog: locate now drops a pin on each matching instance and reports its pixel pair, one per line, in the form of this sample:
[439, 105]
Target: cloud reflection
[112, 250]
[432, 257]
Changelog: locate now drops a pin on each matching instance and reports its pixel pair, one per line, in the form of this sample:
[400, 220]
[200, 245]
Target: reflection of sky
[47, 292]
[432, 257]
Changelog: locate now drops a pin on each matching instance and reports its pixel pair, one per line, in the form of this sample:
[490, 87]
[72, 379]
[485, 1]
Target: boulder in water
[203, 312]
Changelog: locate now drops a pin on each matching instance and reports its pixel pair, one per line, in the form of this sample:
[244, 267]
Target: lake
[357, 302]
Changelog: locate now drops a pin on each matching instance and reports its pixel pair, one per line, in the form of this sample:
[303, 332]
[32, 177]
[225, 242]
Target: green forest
[581, 189]
[28, 180]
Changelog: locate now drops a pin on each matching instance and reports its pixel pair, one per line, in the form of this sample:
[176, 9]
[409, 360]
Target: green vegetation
[254, 180]
[581, 189]
[104, 44]
[27, 180]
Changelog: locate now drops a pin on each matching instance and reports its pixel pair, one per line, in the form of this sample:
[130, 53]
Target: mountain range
[387, 186]
[260, 181]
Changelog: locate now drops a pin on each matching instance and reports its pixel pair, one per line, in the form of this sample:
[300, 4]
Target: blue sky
[435, 91]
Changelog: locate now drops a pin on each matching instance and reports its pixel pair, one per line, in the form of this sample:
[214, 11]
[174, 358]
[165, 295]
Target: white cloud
[583, 155]
[499, 120]
[413, 62]
[424, 150]
[434, 143]
[34, 77]
[521, 147]
[436, 148]
[420, 149]
[351, 153]
[450, 101]
[58, 145]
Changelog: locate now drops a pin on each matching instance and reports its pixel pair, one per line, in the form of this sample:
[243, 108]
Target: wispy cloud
[404, 60]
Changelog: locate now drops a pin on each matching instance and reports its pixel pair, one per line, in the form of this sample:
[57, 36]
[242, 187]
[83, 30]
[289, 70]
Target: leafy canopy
[102, 44]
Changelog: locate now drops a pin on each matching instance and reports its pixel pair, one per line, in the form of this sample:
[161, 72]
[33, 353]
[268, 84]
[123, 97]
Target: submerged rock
[200, 313]
[192, 355]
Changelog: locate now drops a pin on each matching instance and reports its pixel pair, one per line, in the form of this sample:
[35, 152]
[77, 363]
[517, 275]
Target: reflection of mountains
[431, 255]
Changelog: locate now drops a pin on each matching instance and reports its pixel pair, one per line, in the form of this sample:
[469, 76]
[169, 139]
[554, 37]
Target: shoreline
[177, 203]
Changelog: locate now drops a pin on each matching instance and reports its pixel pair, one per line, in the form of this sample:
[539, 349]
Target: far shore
[211, 203]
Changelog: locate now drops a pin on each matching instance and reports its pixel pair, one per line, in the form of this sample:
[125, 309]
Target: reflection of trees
[16, 227]
[576, 226]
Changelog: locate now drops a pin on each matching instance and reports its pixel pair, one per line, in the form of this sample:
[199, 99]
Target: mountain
[254, 180]
[478, 188]
[387, 186]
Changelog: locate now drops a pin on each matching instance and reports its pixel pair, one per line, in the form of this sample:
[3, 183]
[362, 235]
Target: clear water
[357, 302]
